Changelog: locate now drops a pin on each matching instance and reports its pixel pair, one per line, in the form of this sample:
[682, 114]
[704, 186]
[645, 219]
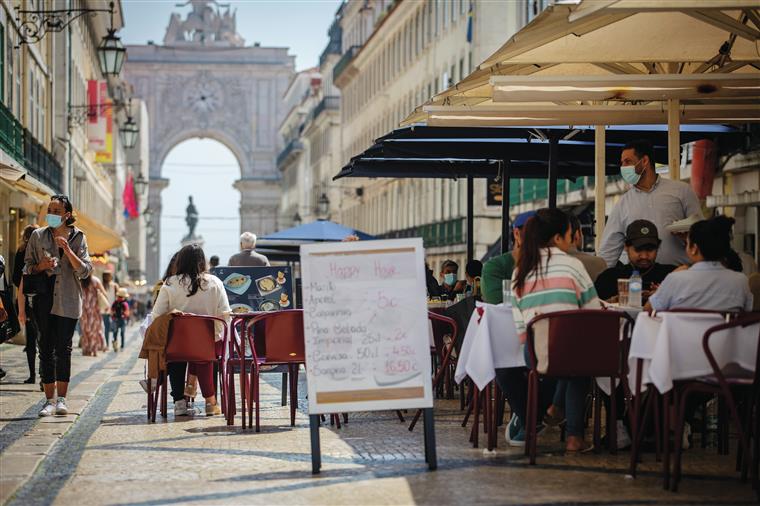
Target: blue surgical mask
[449, 278]
[53, 220]
[629, 174]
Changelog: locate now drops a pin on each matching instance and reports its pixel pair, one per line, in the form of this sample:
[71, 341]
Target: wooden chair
[191, 339]
[579, 343]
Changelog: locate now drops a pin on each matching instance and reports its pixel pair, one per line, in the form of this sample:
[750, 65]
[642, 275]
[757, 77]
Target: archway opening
[206, 170]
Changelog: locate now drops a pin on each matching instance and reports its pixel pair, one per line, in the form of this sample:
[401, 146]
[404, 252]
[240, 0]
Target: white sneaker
[48, 409]
[144, 385]
[686, 433]
[60, 407]
[623, 438]
[180, 408]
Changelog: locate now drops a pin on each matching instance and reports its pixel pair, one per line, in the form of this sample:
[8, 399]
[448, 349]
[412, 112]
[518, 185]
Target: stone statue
[191, 218]
[204, 25]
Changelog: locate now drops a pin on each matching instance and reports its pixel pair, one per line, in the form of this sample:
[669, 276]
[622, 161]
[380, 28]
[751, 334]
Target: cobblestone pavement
[108, 454]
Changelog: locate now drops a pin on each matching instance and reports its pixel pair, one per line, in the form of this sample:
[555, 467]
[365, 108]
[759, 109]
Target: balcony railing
[11, 134]
[344, 61]
[445, 233]
[294, 147]
[41, 164]
[326, 104]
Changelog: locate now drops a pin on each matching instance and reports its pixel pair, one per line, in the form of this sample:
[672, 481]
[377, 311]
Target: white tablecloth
[670, 345]
[490, 342]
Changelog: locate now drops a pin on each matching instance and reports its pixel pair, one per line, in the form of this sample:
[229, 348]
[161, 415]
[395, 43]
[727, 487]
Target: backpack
[117, 309]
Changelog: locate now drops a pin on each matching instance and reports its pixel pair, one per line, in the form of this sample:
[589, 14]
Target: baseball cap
[683, 225]
[522, 218]
[642, 233]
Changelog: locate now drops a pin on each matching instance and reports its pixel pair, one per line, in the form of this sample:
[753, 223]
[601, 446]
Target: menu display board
[365, 325]
[251, 289]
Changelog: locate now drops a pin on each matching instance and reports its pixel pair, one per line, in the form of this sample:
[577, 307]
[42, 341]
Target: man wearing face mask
[641, 244]
[651, 197]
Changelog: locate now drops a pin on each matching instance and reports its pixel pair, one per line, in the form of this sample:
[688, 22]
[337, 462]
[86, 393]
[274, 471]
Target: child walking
[119, 317]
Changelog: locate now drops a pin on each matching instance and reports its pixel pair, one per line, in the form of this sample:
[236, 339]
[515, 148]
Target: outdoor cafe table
[670, 348]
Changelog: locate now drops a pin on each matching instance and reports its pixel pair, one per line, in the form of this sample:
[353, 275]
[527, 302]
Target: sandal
[586, 448]
[554, 420]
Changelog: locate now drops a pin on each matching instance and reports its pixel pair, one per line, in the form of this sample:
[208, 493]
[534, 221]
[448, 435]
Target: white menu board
[365, 325]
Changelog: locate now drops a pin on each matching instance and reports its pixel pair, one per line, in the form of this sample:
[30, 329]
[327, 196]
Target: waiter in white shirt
[651, 197]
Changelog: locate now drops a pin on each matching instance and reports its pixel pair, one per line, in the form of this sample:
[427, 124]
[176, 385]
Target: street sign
[366, 330]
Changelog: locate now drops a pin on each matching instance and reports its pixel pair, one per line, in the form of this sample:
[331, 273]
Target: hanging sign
[493, 192]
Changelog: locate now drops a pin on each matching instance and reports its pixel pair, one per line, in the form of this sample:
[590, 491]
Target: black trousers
[32, 334]
[513, 381]
[55, 336]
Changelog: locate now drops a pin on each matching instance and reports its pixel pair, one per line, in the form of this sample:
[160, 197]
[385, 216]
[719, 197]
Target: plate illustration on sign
[267, 285]
[241, 308]
[237, 283]
[268, 305]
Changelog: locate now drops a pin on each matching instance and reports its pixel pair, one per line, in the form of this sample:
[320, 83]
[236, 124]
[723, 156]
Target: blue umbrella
[320, 230]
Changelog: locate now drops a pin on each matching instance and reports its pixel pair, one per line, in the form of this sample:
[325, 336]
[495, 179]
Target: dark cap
[522, 218]
[642, 233]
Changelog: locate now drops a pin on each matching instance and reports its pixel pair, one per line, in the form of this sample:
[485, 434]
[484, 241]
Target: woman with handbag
[91, 323]
[193, 290]
[56, 261]
[25, 313]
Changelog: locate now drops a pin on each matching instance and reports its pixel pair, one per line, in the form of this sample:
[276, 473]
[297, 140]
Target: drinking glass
[622, 291]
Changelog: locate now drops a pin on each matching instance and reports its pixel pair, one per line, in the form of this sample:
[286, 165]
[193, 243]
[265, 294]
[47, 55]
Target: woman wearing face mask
[57, 257]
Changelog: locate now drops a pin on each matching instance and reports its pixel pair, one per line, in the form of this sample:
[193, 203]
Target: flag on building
[129, 198]
[469, 24]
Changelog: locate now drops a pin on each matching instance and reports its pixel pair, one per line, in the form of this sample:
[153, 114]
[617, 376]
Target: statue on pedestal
[191, 218]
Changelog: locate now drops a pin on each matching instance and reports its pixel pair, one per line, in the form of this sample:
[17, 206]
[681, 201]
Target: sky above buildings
[205, 168]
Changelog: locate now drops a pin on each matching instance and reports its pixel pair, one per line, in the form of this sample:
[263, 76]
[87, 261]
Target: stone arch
[224, 138]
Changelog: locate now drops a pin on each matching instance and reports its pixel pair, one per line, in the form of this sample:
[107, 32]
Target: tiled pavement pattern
[110, 455]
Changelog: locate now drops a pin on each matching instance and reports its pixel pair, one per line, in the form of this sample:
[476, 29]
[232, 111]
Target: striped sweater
[562, 285]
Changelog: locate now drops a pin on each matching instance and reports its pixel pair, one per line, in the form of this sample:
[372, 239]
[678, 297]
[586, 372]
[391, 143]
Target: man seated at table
[472, 273]
[707, 284]
[641, 246]
[594, 265]
[450, 285]
[499, 268]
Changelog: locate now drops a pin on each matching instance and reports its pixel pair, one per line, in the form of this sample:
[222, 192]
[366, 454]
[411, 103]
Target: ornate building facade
[204, 82]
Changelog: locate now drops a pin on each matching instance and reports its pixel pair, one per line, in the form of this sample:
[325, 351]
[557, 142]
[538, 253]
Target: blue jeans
[119, 326]
[107, 327]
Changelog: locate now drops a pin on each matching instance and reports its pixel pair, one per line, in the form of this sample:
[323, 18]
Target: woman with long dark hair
[191, 289]
[708, 283]
[25, 313]
[58, 260]
[548, 280]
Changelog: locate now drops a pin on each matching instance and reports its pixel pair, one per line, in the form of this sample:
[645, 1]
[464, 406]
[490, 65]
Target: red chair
[277, 338]
[191, 339]
[725, 384]
[579, 343]
[443, 353]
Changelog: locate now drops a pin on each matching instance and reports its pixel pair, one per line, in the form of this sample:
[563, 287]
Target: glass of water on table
[622, 285]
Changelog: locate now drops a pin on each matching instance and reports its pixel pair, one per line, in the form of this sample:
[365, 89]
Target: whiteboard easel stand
[431, 457]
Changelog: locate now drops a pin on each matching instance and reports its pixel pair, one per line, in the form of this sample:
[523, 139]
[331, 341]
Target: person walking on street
[110, 287]
[56, 261]
[91, 323]
[247, 257]
[119, 317]
[25, 313]
[651, 197]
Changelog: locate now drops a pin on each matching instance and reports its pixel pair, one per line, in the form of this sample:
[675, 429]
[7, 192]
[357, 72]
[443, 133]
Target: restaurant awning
[319, 230]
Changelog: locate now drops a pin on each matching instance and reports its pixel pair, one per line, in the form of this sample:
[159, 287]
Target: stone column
[153, 242]
[259, 203]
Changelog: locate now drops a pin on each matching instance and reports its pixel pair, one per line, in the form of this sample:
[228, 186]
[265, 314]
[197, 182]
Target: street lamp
[140, 185]
[128, 132]
[323, 205]
[35, 24]
[297, 219]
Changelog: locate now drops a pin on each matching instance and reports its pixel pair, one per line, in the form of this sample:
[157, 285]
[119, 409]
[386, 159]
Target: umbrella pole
[504, 210]
[470, 220]
[600, 164]
[553, 152]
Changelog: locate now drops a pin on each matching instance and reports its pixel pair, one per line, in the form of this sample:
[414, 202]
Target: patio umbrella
[316, 231]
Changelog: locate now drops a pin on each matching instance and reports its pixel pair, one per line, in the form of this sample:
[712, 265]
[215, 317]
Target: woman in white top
[193, 290]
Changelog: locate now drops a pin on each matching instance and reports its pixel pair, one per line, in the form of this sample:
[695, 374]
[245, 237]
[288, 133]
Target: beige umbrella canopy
[632, 54]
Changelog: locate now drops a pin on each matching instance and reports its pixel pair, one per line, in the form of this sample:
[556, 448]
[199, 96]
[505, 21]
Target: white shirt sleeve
[691, 203]
[613, 238]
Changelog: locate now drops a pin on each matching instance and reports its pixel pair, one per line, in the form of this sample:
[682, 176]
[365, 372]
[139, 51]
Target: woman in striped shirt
[547, 280]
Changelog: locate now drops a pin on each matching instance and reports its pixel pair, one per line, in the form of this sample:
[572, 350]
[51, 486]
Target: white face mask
[629, 173]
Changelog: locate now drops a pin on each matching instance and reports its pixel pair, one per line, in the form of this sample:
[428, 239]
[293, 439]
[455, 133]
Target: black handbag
[36, 284]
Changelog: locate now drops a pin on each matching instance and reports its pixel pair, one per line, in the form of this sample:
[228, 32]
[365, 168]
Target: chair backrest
[584, 342]
[743, 320]
[278, 336]
[191, 339]
[442, 325]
